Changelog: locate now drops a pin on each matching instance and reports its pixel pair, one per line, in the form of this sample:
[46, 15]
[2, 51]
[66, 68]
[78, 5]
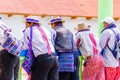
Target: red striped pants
[94, 68]
[112, 73]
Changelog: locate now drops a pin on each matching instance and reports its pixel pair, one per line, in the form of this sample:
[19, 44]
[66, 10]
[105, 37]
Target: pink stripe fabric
[95, 50]
[45, 39]
[29, 77]
[94, 68]
[112, 73]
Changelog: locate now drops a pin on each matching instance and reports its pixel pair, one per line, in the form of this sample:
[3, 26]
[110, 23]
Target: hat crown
[81, 26]
[32, 19]
[56, 19]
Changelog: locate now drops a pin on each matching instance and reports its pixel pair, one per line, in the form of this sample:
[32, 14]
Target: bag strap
[117, 38]
[115, 46]
[106, 45]
[115, 41]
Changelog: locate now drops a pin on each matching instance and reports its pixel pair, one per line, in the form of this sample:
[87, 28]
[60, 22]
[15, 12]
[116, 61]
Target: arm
[77, 41]
[77, 44]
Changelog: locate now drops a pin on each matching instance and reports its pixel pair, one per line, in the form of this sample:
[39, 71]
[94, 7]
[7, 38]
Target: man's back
[109, 59]
[64, 39]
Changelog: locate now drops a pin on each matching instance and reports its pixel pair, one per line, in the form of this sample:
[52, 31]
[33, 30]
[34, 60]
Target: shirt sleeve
[53, 36]
[26, 37]
[104, 38]
[77, 40]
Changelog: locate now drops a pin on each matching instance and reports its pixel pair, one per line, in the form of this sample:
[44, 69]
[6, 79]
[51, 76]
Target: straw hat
[56, 19]
[81, 26]
[32, 19]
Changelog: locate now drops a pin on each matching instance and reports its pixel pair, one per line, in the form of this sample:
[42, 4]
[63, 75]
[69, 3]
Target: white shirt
[39, 45]
[109, 59]
[87, 43]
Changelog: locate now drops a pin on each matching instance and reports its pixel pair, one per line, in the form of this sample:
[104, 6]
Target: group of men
[46, 45]
[102, 57]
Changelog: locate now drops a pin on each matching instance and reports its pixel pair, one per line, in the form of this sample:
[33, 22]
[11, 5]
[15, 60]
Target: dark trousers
[71, 75]
[45, 67]
[9, 66]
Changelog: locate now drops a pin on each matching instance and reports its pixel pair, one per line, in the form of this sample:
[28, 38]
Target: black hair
[33, 23]
[28, 22]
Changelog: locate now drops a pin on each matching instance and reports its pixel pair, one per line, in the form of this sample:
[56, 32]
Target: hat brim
[89, 26]
[75, 28]
[63, 21]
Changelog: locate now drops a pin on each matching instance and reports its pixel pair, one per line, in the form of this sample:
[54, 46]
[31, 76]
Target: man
[45, 66]
[63, 43]
[9, 63]
[107, 42]
[86, 42]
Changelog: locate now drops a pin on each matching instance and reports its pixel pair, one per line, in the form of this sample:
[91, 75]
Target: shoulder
[52, 31]
[78, 35]
[106, 32]
[61, 30]
[117, 30]
[45, 29]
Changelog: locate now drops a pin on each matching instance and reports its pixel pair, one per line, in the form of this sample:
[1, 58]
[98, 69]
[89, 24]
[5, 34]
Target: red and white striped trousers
[112, 73]
[94, 68]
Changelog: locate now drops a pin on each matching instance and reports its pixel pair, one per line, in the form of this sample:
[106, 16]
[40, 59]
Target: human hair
[28, 22]
[33, 23]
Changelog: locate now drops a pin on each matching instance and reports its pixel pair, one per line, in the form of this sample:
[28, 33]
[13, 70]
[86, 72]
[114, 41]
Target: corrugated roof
[54, 7]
